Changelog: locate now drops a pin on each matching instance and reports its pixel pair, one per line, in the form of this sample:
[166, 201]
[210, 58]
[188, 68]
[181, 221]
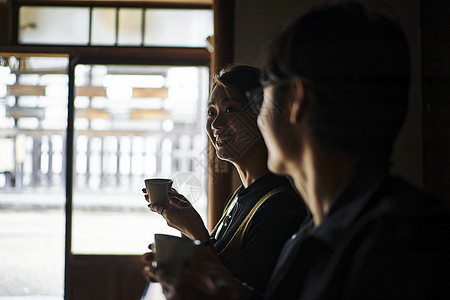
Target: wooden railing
[102, 159]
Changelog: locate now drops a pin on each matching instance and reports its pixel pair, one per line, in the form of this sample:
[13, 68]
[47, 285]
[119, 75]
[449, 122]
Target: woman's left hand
[181, 215]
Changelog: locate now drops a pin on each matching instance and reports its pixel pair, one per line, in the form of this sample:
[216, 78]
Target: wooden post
[219, 172]
[435, 29]
[5, 22]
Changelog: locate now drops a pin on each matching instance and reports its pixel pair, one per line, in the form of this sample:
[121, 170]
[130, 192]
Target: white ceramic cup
[157, 189]
[173, 251]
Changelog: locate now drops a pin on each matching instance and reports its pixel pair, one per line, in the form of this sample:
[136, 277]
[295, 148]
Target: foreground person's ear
[299, 102]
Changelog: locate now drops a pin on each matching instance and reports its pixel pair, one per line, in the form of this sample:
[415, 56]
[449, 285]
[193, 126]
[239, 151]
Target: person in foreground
[341, 78]
[265, 210]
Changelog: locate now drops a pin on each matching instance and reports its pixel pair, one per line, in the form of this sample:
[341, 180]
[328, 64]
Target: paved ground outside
[32, 238]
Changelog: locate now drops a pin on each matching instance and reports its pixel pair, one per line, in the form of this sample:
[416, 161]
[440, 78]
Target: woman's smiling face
[230, 128]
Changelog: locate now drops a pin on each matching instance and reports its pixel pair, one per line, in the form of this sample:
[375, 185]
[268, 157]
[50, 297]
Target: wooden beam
[25, 90]
[97, 91]
[150, 92]
[174, 4]
[90, 91]
[25, 112]
[18, 54]
[41, 72]
[91, 114]
[148, 114]
[170, 56]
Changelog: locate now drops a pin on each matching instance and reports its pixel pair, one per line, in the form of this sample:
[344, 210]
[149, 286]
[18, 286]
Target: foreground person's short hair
[356, 69]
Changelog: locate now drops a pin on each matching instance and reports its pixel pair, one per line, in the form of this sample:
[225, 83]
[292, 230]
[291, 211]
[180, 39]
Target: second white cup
[172, 251]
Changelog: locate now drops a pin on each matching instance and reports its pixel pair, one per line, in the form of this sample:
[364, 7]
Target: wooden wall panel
[435, 29]
[106, 277]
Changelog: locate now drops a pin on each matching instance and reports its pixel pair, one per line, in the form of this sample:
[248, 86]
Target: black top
[274, 222]
[381, 239]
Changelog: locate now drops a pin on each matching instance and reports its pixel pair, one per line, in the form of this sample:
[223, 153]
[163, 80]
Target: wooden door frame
[435, 45]
[220, 173]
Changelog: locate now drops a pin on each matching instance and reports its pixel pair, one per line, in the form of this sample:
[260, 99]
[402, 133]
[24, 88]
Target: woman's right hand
[181, 215]
[199, 279]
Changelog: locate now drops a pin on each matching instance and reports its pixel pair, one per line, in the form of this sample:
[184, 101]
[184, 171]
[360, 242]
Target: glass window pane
[32, 190]
[103, 26]
[177, 27]
[54, 25]
[136, 122]
[130, 26]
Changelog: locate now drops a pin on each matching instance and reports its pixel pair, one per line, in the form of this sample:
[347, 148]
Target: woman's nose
[219, 121]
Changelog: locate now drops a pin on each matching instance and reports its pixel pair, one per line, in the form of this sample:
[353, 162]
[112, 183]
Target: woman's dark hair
[245, 82]
[356, 70]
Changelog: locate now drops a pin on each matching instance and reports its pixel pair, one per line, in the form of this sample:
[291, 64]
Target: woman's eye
[229, 109]
[211, 112]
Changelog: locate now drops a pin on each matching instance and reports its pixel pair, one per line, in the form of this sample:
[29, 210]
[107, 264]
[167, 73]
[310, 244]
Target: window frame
[16, 5]
[87, 54]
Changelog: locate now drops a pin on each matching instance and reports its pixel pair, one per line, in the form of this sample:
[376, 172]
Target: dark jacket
[381, 239]
[273, 223]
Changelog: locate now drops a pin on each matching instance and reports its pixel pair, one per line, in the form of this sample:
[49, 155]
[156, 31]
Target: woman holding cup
[265, 210]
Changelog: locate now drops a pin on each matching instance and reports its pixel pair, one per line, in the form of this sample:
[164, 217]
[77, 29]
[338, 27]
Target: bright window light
[138, 81]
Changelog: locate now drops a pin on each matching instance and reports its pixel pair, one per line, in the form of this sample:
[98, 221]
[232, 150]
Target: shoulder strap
[230, 254]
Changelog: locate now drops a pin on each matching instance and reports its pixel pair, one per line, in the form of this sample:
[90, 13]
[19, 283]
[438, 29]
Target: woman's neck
[252, 168]
[250, 175]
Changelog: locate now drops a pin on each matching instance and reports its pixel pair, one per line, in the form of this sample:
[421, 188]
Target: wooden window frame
[220, 174]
